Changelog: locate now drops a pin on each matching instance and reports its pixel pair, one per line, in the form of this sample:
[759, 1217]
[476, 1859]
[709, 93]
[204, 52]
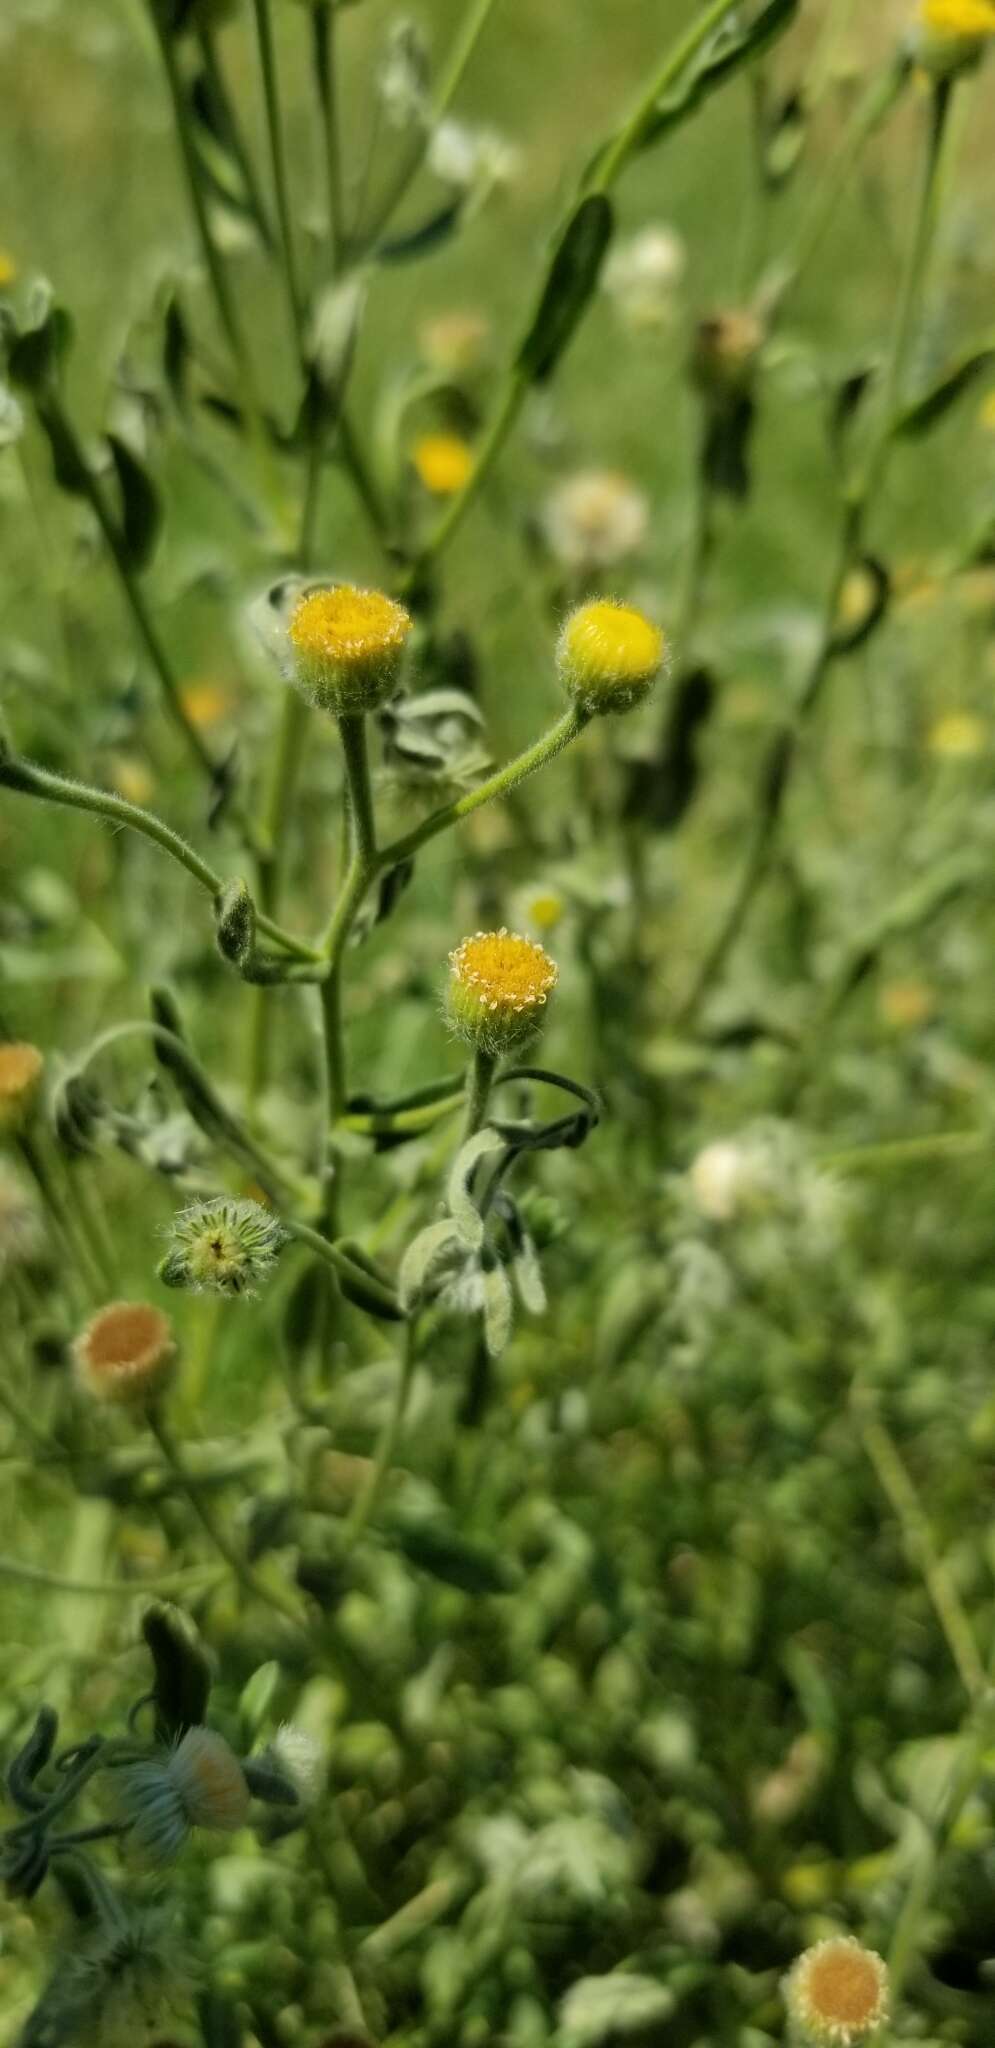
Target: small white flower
[301, 1759]
[465, 157]
[594, 518]
[717, 1178]
[643, 274]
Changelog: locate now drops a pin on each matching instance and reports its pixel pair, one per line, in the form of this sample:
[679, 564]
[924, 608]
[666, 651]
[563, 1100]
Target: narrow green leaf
[141, 505]
[572, 279]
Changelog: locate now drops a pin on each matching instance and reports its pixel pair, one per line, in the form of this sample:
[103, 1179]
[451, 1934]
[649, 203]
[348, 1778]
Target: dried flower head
[199, 1784]
[837, 1992]
[126, 1354]
[610, 656]
[454, 342]
[594, 518]
[727, 349]
[222, 1247]
[443, 462]
[21, 1070]
[347, 646]
[954, 33]
[498, 986]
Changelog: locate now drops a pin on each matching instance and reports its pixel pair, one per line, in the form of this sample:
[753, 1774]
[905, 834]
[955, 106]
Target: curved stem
[537, 756]
[247, 1577]
[630, 135]
[341, 1263]
[27, 778]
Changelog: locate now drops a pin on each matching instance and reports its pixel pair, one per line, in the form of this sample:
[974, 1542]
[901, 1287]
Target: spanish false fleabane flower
[954, 34]
[609, 656]
[347, 645]
[126, 1354]
[837, 1993]
[499, 984]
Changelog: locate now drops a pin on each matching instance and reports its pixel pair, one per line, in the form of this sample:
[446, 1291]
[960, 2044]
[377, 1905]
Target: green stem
[629, 138]
[341, 1263]
[907, 1151]
[278, 160]
[40, 1167]
[478, 1091]
[242, 153]
[239, 1566]
[881, 95]
[897, 1484]
[504, 417]
[360, 873]
[326, 75]
[368, 1499]
[27, 778]
[125, 1589]
[537, 756]
[912, 285]
[467, 36]
[212, 260]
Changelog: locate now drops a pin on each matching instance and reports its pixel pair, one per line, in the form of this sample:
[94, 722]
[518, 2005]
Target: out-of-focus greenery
[674, 1622]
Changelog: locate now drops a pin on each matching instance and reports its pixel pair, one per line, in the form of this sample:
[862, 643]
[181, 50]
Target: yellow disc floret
[21, 1068]
[126, 1354]
[347, 647]
[498, 987]
[837, 1993]
[610, 656]
[444, 463]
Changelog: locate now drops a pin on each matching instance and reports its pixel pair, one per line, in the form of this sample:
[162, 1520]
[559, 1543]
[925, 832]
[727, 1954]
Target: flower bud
[222, 1247]
[236, 923]
[347, 646]
[21, 1069]
[609, 656]
[953, 34]
[837, 1993]
[498, 985]
[126, 1354]
[726, 352]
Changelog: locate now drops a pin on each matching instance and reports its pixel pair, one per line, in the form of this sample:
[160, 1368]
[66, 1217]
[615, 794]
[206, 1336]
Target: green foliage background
[691, 1705]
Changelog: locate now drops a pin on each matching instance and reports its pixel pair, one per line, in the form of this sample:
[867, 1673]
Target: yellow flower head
[957, 736]
[444, 463]
[986, 413]
[21, 1068]
[205, 702]
[837, 1993]
[131, 778]
[347, 646]
[126, 1354]
[609, 656]
[8, 270]
[498, 986]
[954, 32]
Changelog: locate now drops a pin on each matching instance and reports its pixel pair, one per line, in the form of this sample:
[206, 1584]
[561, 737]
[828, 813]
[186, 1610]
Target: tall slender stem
[630, 135]
[326, 79]
[278, 160]
[467, 36]
[247, 1577]
[240, 150]
[367, 1501]
[504, 779]
[478, 1092]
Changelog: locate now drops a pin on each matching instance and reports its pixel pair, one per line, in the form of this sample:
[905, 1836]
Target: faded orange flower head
[837, 1993]
[21, 1069]
[126, 1353]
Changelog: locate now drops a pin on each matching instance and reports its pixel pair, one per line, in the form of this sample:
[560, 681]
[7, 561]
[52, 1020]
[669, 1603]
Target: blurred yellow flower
[444, 463]
[131, 779]
[903, 1005]
[856, 598]
[205, 702]
[970, 18]
[8, 269]
[957, 736]
[544, 909]
[454, 342]
[986, 413]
